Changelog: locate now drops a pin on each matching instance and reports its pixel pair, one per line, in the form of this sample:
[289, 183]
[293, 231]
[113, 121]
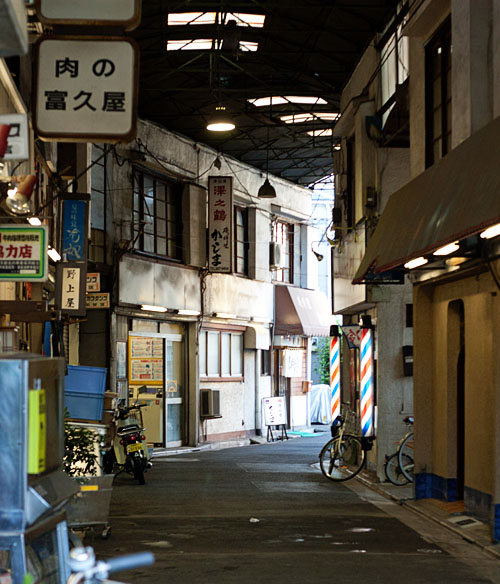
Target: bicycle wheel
[405, 457]
[393, 470]
[342, 458]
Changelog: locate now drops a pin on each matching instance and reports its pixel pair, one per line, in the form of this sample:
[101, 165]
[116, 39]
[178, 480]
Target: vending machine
[33, 488]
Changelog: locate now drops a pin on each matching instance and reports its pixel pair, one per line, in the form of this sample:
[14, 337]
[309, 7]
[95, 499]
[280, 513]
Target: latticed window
[283, 234]
[241, 241]
[221, 354]
[157, 219]
[438, 94]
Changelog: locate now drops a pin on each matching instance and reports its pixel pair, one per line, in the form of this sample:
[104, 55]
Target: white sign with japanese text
[17, 141]
[220, 224]
[86, 89]
[89, 12]
[98, 300]
[274, 411]
[70, 291]
[93, 282]
[23, 253]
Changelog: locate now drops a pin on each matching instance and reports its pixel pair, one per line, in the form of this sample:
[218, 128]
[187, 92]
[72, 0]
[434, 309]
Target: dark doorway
[457, 364]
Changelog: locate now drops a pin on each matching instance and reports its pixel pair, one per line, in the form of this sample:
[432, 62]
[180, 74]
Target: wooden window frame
[219, 330]
[284, 233]
[170, 221]
[439, 44]
[241, 262]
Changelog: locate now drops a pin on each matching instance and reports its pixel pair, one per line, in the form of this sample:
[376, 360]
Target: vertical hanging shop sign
[75, 228]
[366, 375]
[220, 223]
[71, 280]
[335, 376]
[17, 141]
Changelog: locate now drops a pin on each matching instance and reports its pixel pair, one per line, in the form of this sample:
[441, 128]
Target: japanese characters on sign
[74, 230]
[93, 282]
[220, 223]
[17, 142]
[90, 12]
[86, 89]
[70, 287]
[98, 300]
[23, 253]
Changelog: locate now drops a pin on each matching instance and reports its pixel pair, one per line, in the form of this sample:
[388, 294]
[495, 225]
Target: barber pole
[335, 376]
[366, 382]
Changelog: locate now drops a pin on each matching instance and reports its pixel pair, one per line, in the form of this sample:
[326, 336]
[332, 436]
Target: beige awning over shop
[300, 311]
[457, 197]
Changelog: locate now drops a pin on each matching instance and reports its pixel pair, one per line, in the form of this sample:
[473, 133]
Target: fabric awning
[300, 311]
[257, 337]
[457, 197]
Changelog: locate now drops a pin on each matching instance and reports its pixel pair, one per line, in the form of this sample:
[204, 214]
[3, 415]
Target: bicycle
[87, 570]
[343, 456]
[399, 466]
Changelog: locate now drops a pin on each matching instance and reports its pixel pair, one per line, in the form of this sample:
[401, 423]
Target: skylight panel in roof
[324, 132]
[279, 100]
[309, 117]
[190, 45]
[248, 46]
[242, 19]
[183, 18]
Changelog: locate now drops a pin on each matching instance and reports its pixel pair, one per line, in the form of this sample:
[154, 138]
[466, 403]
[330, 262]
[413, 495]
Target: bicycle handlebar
[129, 562]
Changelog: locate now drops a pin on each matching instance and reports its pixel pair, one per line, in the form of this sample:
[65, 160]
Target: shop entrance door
[157, 364]
[174, 392]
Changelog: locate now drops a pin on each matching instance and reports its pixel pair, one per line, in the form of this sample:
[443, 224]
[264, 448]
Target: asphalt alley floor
[265, 513]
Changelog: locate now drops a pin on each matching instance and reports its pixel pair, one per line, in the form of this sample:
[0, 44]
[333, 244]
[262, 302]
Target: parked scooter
[129, 449]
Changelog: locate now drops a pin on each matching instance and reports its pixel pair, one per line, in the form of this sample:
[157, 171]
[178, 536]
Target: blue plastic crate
[84, 392]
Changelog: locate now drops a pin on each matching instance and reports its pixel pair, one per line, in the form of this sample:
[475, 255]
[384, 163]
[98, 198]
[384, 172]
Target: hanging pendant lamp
[267, 191]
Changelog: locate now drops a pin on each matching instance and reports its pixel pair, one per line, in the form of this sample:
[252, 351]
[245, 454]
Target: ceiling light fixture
[153, 308]
[416, 263]
[492, 231]
[18, 198]
[220, 121]
[53, 254]
[447, 249]
[224, 315]
[35, 221]
[187, 312]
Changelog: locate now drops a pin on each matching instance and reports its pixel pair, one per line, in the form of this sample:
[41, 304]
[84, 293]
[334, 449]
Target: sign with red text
[220, 224]
[23, 253]
[86, 89]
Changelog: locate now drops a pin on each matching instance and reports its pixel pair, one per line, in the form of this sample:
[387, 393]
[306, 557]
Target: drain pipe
[258, 413]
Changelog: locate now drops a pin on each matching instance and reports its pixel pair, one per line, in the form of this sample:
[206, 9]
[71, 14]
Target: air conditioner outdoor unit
[210, 403]
[275, 256]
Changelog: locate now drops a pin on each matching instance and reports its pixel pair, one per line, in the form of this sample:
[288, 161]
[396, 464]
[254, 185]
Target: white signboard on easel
[274, 409]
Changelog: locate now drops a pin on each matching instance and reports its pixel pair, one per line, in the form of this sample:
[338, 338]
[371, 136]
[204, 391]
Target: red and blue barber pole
[366, 407]
[335, 376]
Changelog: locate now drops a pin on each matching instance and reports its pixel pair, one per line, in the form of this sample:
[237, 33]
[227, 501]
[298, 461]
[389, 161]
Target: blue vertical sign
[74, 231]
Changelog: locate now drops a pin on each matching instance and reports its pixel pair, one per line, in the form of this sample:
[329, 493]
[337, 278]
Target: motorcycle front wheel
[138, 469]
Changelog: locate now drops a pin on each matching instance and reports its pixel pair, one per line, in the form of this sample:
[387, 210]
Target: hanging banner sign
[74, 231]
[86, 89]
[220, 224]
[125, 13]
[17, 141]
[23, 253]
